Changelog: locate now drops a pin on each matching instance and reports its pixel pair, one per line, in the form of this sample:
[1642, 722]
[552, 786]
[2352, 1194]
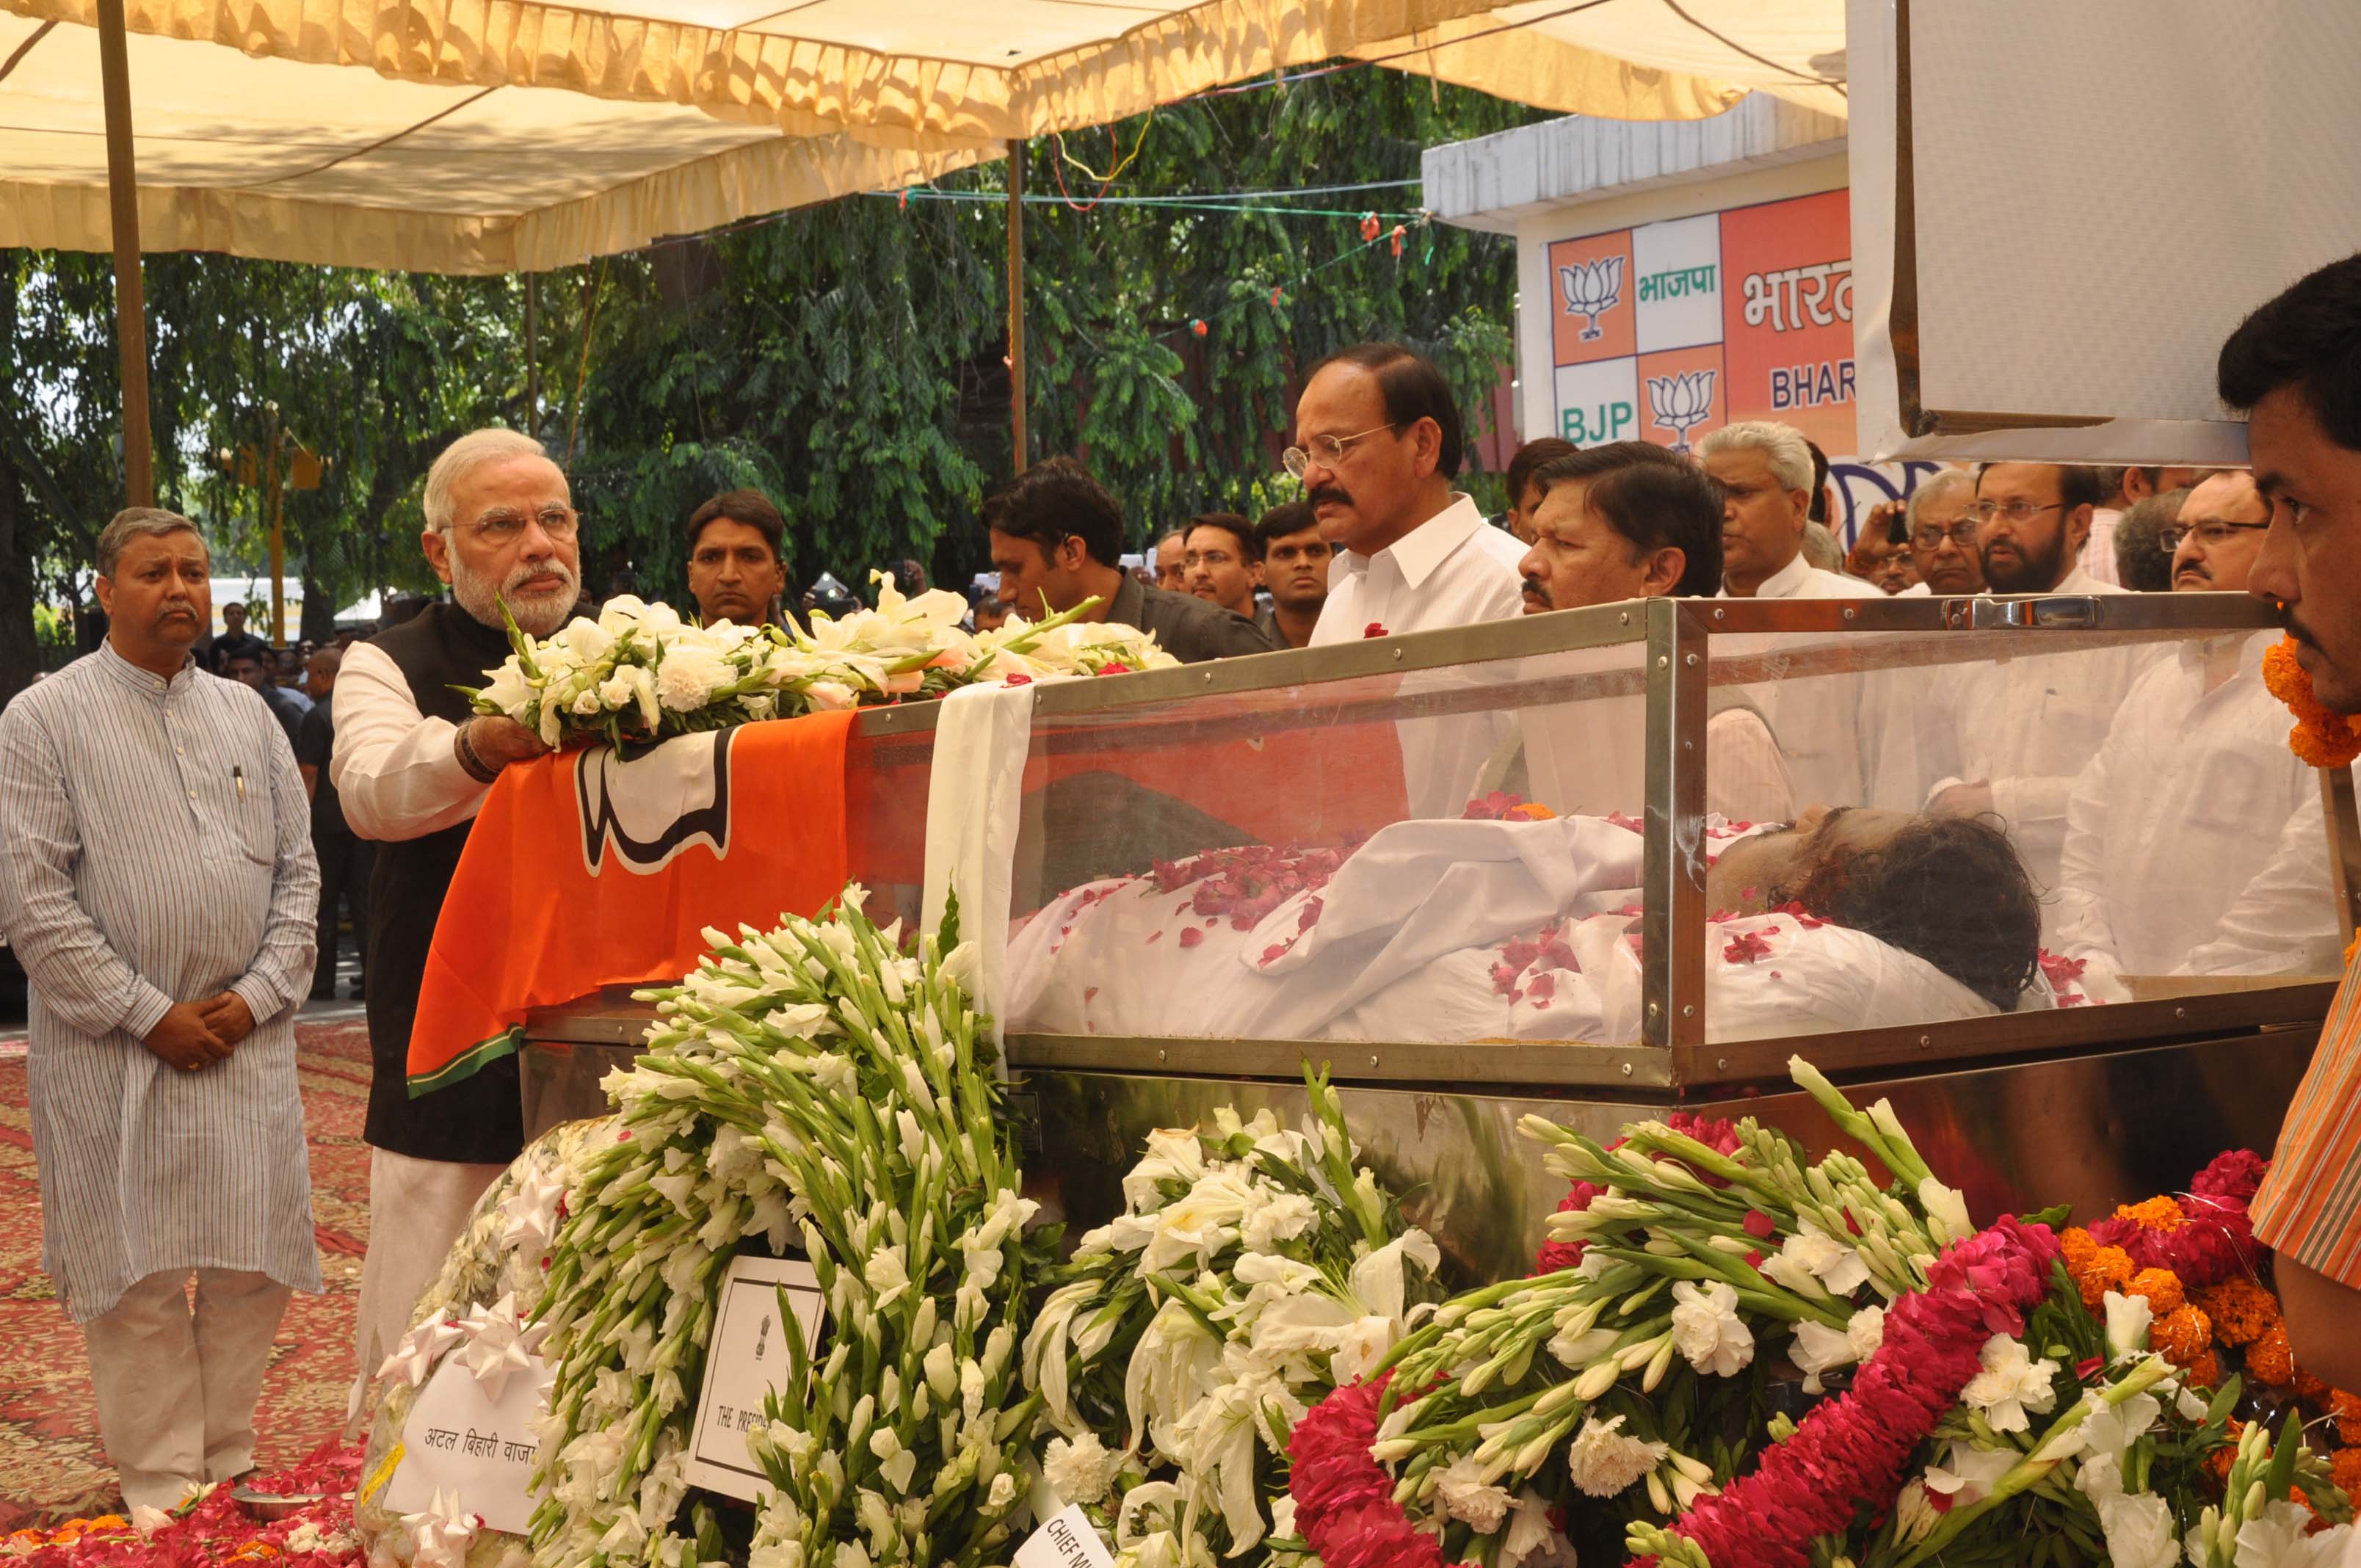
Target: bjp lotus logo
[1681, 403]
[1592, 288]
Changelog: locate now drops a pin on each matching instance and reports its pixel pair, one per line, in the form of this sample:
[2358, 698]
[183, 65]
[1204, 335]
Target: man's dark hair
[2142, 563]
[1286, 517]
[750, 506]
[1231, 523]
[1948, 889]
[2079, 485]
[1528, 460]
[1413, 388]
[1055, 500]
[1819, 510]
[2308, 338]
[1653, 505]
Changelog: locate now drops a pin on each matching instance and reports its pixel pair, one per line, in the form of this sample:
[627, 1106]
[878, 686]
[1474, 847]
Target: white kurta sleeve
[394, 768]
[280, 974]
[2286, 914]
[1746, 778]
[2084, 929]
[77, 974]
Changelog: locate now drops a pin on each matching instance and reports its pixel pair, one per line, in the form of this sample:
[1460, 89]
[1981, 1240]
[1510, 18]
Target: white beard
[538, 614]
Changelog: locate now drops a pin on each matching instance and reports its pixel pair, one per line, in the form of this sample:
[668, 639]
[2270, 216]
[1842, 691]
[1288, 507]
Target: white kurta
[158, 849]
[2028, 725]
[2195, 840]
[1453, 569]
[1816, 718]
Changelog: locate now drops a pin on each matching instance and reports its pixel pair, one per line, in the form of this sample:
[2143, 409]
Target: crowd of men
[168, 842]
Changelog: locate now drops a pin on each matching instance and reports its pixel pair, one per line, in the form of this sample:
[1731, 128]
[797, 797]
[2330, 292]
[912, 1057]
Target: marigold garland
[2321, 738]
[2106, 1268]
[2160, 1288]
[2242, 1311]
[2345, 1469]
[2268, 1359]
[2181, 1335]
[2346, 1408]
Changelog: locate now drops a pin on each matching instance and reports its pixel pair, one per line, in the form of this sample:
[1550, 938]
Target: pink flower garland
[1343, 1499]
[1851, 1450]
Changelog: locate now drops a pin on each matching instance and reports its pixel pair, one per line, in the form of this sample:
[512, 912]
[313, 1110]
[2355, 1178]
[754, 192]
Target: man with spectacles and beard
[2014, 735]
[1377, 442]
[2296, 365]
[2193, 838]
[411, 766]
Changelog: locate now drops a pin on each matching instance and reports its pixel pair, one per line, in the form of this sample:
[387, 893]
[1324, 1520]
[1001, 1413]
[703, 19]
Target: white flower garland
[640, 672]
[816, 1083]
[1254, 1269]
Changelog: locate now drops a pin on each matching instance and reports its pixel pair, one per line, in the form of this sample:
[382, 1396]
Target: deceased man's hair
[1950, 890]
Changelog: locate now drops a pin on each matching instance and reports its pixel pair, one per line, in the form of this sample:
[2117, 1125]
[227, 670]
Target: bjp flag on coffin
[584, 870]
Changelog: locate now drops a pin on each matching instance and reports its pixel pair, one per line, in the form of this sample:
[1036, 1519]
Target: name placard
[477, 1451]
[1069, 1540]
[747, 1360]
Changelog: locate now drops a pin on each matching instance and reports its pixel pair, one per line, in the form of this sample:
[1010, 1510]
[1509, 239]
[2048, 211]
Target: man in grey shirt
[157, 880]
[1056, 536]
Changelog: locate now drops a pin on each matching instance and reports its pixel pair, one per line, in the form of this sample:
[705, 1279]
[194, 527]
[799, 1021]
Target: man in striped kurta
[157, 881]
[2295, 367]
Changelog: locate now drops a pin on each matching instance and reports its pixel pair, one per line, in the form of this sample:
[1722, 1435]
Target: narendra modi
[412, 764]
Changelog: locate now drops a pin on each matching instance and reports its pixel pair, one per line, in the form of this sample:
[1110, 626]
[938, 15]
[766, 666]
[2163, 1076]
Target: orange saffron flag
[585, 870]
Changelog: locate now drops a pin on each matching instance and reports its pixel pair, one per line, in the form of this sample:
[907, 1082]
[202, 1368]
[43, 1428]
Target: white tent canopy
[1639, 59]
[452, 136]
[272, 158]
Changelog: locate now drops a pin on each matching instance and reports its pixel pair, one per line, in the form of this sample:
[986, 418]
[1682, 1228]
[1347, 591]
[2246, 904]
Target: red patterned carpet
[51, 1463]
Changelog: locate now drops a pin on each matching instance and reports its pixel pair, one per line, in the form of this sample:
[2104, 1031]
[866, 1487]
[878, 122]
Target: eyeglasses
[506, 527]
[1930, 537]
[1326, 450]
[2214, 531]
[2015, 511]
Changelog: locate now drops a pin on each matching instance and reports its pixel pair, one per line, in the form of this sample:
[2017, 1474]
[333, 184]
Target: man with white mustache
[412, 765]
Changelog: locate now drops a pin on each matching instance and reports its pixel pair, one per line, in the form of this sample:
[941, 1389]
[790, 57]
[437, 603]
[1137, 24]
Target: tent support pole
[533, 354]
[130, 298]
[1017, 300]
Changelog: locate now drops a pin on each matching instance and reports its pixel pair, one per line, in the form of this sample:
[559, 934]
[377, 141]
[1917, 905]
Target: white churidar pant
[417, 1209]
[176, 1388]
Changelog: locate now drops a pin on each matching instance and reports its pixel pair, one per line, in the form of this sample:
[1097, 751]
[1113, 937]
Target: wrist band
[474, 766]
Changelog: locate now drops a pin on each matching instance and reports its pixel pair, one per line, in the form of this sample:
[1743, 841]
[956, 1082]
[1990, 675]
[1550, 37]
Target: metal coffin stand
[2089, 1106]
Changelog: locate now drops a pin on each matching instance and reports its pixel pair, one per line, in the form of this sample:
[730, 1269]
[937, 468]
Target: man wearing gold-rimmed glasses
[412, 766]
[1377, 442]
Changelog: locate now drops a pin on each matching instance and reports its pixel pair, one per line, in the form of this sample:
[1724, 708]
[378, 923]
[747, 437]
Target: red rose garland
[1343, 1499]
[1851, 1450]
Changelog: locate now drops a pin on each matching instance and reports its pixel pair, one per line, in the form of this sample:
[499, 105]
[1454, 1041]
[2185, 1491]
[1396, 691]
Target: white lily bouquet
[1638, 1400]
[814, 1084]
[1254, 1269]
[640, 672]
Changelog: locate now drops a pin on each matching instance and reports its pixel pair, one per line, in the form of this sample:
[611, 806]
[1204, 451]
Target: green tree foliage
[849, 359]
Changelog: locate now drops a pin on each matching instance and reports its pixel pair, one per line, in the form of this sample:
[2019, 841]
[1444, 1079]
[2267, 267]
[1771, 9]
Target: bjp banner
[585, 870]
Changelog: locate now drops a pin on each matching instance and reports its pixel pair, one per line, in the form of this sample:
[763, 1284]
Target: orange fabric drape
[584, 870]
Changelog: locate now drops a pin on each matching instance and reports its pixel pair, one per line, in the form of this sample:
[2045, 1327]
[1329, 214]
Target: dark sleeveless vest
[479, 1119]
